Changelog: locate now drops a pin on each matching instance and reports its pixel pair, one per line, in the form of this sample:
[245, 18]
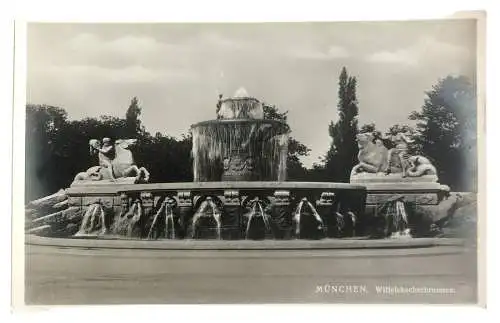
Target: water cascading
[128, 224]
[400, 220]
[340, 222]
[257, 212]
[395, 218]
[165, 214]
[299, 212]
[208, 210]
[93, 221]
[169, 219]
[240, 145]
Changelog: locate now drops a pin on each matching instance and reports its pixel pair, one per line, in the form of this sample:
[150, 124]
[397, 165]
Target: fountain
[239, 190]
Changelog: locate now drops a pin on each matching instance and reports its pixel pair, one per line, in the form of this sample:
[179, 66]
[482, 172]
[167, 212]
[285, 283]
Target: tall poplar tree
[342, 155]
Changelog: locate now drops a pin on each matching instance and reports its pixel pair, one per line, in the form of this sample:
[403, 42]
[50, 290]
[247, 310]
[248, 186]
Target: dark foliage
[447, 131]
[342, 155]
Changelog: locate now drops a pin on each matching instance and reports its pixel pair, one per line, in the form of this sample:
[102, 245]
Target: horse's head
[364, 139]
[125, 143]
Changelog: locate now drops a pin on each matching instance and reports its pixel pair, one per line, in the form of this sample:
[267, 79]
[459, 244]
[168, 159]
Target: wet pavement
[439, 274]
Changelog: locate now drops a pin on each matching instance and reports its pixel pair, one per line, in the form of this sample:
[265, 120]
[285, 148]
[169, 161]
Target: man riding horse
[115, 161]
[106, 155]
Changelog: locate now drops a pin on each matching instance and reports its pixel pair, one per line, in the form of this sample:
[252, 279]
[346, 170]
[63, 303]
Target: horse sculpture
[122, 164]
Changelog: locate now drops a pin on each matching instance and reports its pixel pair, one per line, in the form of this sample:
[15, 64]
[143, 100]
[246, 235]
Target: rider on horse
[106, 155]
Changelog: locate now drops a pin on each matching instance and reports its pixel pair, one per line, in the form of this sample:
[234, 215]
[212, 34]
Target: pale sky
[177, 70]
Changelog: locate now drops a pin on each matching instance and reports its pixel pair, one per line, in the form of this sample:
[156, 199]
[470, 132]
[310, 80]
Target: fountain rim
[238, 121]
[223, 185]
[241, 98]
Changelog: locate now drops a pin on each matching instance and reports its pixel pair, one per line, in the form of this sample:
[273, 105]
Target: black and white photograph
[333, 162]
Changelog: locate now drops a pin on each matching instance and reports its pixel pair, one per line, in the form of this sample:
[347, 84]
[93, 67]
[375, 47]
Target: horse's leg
[145, 174]
[132, 170]
[137, 172]
[109, 169]
[111, 175]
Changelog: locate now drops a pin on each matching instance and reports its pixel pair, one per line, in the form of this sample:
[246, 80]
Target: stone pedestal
[185, 211]
[281, 215]
[231, 219]
[420, 193]
[104, 182]
[327, 209]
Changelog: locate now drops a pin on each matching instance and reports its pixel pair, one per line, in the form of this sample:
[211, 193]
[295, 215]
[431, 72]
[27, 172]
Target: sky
[178, 70]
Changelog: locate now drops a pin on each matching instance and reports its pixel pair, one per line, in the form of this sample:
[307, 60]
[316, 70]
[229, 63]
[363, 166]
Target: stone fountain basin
[231, 198]
[94, 188]
[110, 243]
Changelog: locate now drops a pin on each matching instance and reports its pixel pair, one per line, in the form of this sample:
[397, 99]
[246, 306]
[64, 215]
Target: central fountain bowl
[239, 150]
[241, 145]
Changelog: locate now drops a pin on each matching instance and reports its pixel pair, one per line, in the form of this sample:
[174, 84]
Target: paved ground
[56, 275]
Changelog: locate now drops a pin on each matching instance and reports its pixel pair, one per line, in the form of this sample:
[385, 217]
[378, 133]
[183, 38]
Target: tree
[43, 123]
[446, 126]
[168, 159]
[295, 169]
[342, 155]
[133, 123]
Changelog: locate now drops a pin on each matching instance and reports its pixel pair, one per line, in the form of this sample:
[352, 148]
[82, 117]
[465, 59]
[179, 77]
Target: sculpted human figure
[399, 153]
[106, 155]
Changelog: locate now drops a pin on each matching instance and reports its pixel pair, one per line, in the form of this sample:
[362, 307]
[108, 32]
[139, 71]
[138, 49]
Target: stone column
[147, 202]
[185, 209]
[231, 215]
[326, 210]
[281, 215]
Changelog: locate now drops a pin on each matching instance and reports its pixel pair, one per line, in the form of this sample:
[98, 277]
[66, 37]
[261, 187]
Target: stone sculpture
[115, 162]
[398, 155]
[372, 155]
[420, 166]
[376, 158]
